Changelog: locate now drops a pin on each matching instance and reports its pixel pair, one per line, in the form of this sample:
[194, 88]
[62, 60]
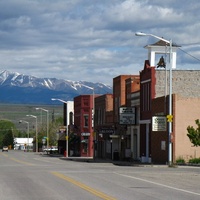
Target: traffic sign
[159, 123]
[169, 118]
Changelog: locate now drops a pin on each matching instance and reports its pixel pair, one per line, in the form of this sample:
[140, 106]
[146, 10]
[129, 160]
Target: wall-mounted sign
[127, 115]
[85, 134]
[127, 110]
[159, 123]
[107, 131]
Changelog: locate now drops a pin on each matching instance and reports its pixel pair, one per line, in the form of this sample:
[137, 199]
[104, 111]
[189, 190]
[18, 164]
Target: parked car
[51, 150]
[5, 148]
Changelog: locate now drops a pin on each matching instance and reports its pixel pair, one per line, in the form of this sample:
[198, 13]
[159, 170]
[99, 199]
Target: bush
[180, 161]
[194, 160]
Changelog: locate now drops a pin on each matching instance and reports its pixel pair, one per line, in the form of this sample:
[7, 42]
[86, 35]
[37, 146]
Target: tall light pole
[36, 131]
[42, 109]
[21, 121]
[67, 119]
[170, 92]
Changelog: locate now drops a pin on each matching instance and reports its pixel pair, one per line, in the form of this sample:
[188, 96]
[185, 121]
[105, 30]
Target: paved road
[29, 176]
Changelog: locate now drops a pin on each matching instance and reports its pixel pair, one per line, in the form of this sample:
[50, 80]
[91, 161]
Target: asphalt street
[30, 176]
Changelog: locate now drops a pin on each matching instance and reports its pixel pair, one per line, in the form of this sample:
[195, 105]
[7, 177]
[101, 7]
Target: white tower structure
[161, 47]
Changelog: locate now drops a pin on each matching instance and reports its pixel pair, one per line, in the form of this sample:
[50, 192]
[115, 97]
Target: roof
[162, 43]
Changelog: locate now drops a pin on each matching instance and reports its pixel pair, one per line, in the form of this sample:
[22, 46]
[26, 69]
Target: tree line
[8, 132]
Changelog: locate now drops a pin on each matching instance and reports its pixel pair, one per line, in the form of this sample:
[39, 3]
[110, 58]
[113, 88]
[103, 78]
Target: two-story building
[104, 125]
[155, 136]
[84, 123]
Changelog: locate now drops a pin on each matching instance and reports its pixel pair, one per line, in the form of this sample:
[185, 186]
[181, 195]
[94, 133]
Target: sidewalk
[99, 160]
[115, 162]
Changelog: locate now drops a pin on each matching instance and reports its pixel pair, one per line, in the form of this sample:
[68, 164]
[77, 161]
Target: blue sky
[93, 40]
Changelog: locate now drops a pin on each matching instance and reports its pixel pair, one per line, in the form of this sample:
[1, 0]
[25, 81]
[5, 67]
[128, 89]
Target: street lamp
[36, 134]
[21, 121]
[67, 118]
[42, 109]
[170, 90]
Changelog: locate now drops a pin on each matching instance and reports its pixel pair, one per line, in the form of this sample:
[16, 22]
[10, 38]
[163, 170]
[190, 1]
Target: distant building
[84, 123]
[23, 143]
[68, 114]
[104, 125]
[122, 140]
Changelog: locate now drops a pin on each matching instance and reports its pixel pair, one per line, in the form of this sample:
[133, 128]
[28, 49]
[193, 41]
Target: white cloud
[80, 40]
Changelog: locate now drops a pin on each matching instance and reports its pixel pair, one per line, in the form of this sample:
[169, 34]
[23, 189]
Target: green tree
[8, 139]
[7, 129]
[53, 130]
[194, 133]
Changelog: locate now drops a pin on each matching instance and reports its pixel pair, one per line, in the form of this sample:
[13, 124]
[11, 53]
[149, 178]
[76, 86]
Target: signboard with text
[127, 115]
[107, 131]
[159, 123]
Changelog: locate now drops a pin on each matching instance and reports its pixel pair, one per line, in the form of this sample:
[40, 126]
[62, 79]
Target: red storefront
[83, 121]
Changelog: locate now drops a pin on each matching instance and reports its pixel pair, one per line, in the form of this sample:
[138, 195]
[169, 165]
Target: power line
[189, 54]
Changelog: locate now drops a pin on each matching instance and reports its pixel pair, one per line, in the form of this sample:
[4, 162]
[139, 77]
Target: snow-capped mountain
[20, 88]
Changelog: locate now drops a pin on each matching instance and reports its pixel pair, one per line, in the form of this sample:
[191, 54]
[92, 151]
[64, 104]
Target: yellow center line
[19, 161]
[83, 186]
[22, 162]
[4, 155]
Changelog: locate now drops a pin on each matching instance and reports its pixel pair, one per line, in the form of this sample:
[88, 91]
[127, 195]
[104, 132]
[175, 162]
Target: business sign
[85, 134]
[127, 110]
[107, 131]
[127, 115]
[62, 129]
[159, 123]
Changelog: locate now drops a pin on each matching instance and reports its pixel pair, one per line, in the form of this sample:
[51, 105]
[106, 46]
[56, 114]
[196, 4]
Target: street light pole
[42, 109]
[27, 131]
[170, 91]
[36, 134]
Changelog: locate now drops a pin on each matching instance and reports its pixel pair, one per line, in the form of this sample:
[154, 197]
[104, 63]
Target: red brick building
[104, 125]
[154, 102]
[123, 86]
[83, 122]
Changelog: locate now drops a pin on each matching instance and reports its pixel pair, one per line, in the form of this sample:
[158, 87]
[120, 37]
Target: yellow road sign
[169, 118]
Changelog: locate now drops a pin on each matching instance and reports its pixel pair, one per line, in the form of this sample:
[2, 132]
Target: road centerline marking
[83, 186]
[22, 162]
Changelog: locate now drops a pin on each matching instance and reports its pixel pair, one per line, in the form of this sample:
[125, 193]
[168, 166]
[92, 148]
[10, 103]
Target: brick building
[104, 125]
[154, 101]
[123, 86]
[154, 104]
[83, 123]
[133, 130]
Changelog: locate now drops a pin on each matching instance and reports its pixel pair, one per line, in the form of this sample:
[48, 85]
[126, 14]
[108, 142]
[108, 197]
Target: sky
[94, 40]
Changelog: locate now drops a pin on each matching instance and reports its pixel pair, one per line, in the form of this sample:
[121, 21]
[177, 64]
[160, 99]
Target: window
[85, 120]
[71, 118]
[146, 97]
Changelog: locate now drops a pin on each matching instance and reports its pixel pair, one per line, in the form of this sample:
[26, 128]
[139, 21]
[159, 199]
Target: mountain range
[18, 88]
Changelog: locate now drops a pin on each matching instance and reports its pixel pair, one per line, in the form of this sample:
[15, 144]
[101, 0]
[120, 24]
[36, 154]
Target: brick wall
[186, 110]
[186, 83]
